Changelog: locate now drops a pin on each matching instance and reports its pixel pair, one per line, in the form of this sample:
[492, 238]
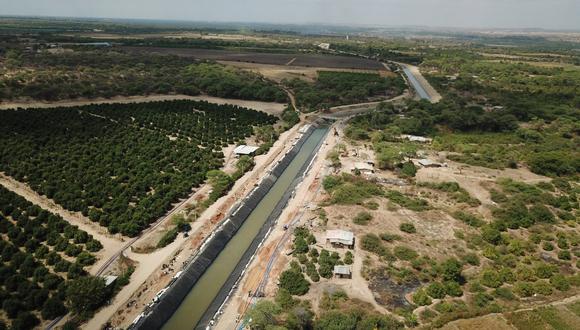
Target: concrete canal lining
[193, 299]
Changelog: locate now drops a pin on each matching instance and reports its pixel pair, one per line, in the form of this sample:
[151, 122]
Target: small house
[342, 271]
[243, 149]
[340, 238]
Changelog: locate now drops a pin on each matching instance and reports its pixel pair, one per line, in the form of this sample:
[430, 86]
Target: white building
[342, 271]
[340, 238]
[245, 150]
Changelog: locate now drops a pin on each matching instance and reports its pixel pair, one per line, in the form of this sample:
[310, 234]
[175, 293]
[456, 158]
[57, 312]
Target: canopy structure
[245, 150]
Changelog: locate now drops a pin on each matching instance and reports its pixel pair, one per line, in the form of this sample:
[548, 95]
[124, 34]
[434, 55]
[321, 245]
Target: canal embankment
[199, 291]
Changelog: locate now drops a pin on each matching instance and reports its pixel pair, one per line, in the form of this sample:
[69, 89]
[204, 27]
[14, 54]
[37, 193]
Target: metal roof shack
[245, 150]
[429, 163]
[363, 167]
[341, 238]
[342, 271]
[415, 138]
[109, 279]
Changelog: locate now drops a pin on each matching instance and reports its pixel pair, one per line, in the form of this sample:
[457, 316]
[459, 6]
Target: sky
[513, 14]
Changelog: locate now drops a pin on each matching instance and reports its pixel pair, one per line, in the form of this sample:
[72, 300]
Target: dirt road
[269, 107]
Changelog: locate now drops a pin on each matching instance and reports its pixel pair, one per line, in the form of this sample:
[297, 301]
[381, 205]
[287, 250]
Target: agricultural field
[89, 74]
[43, 263]
[279, 58]
[122, 165]
[332, 88]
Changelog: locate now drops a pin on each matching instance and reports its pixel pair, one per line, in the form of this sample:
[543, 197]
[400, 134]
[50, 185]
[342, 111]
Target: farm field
[296, 59]
[41, 256]
[123, 166]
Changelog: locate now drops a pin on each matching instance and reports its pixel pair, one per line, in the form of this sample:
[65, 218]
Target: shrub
[524, 289]
[436, 290]
[471, 258]
[348, 258]
[503, 293]
[294, 282]
[421, 298]
[491, 278]
[540, 213]
[468, 219]
[451, 270]
[453, 289]
[491, 235]
[560, 282]
[372, 243]
[413, 204]
[362, 218]
[564, 255]
[405, 253]
[168, 237]
[543, 288]
[547, 246]
[544, 270]
[408, 228]
[482, 299]
[387, 237]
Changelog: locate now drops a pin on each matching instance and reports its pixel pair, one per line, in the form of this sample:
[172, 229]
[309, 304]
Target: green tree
[86, 294]
[294, 282]
[263, 315]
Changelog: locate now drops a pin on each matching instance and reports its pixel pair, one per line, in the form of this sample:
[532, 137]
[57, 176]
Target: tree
[86, 294]
[52, 308]
[25, 321]
[294, 282]
[263, 315]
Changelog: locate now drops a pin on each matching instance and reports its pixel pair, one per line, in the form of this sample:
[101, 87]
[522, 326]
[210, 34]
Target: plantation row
[40, 253]
[203, 123]
[111, 169]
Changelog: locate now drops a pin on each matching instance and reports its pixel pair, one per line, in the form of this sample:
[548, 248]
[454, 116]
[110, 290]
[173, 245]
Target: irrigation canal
[215, 283]
[416, 84]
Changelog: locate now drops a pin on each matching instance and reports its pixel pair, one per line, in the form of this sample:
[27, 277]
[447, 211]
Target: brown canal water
[207, 287]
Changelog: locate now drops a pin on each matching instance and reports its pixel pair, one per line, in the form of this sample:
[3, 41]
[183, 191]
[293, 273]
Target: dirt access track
[306, 60]
[268, 107]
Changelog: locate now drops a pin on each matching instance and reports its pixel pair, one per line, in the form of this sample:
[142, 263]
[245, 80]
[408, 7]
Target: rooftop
[342, 270]
[342, 236]
[245, 150]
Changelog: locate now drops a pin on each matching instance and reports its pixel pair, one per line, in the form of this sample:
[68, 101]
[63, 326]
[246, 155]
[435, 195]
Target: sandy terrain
[111, 243]
[269, 107]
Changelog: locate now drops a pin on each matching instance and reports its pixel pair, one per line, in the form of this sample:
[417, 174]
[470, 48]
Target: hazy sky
[549, 14]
